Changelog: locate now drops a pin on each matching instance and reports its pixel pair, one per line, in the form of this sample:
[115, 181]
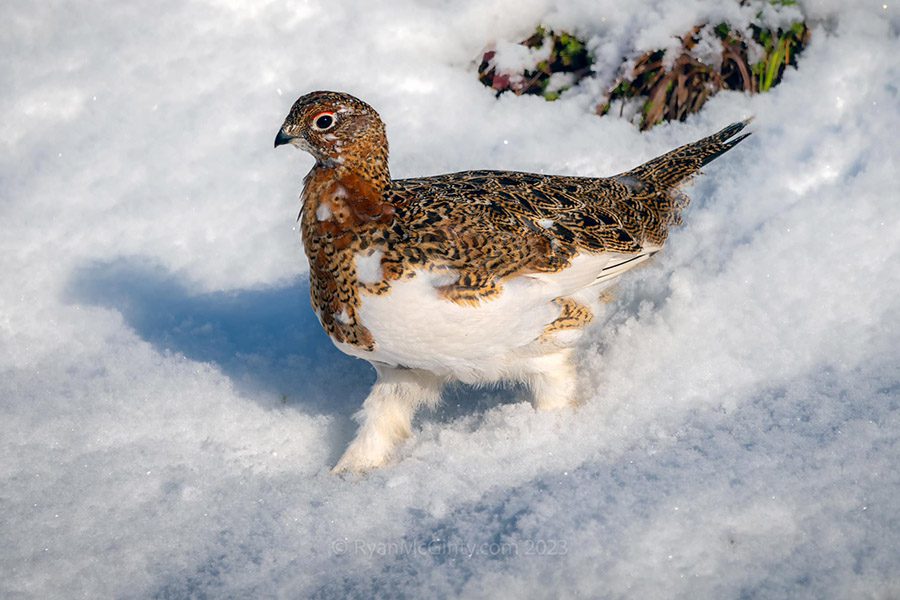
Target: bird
[479, 276]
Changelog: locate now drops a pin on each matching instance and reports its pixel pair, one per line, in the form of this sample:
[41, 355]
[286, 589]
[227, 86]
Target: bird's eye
[323, 121]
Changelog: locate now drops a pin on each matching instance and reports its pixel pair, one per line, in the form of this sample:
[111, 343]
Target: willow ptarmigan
[479, 276]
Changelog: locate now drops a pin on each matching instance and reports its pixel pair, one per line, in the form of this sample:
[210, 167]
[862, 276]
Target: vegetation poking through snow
[672, 89]
[560, 61]
[656, 87]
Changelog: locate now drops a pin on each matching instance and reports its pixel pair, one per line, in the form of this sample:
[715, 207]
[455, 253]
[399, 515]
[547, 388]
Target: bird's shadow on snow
[266, 340]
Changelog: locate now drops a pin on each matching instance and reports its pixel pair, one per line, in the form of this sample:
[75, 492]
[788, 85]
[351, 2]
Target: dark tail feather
[673, 168]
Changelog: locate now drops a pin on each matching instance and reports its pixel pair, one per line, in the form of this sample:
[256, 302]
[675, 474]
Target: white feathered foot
[554, 382]
[386, 416]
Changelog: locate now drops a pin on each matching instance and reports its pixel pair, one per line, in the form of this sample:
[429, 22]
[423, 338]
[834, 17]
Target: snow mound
[170, 407]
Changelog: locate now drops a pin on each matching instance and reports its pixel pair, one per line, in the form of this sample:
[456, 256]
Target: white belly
[414, 326]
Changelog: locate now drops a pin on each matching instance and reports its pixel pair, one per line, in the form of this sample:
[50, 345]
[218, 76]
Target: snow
[170, 407]
[514, 58]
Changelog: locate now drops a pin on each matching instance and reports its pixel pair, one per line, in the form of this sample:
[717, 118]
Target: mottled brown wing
[575, 213]
[491, 224]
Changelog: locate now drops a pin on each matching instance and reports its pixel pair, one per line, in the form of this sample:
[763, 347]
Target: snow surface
[170, 407]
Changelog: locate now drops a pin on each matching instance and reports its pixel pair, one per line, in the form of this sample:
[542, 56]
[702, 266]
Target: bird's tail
[675, 167]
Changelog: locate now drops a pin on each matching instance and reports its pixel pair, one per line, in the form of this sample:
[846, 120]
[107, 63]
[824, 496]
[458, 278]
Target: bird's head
[335, 128]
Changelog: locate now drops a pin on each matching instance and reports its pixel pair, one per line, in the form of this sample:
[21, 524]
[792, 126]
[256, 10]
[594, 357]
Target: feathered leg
[553, 382]
[386, 416]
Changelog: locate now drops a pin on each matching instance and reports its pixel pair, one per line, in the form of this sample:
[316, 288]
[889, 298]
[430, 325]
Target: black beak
[282, 138]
